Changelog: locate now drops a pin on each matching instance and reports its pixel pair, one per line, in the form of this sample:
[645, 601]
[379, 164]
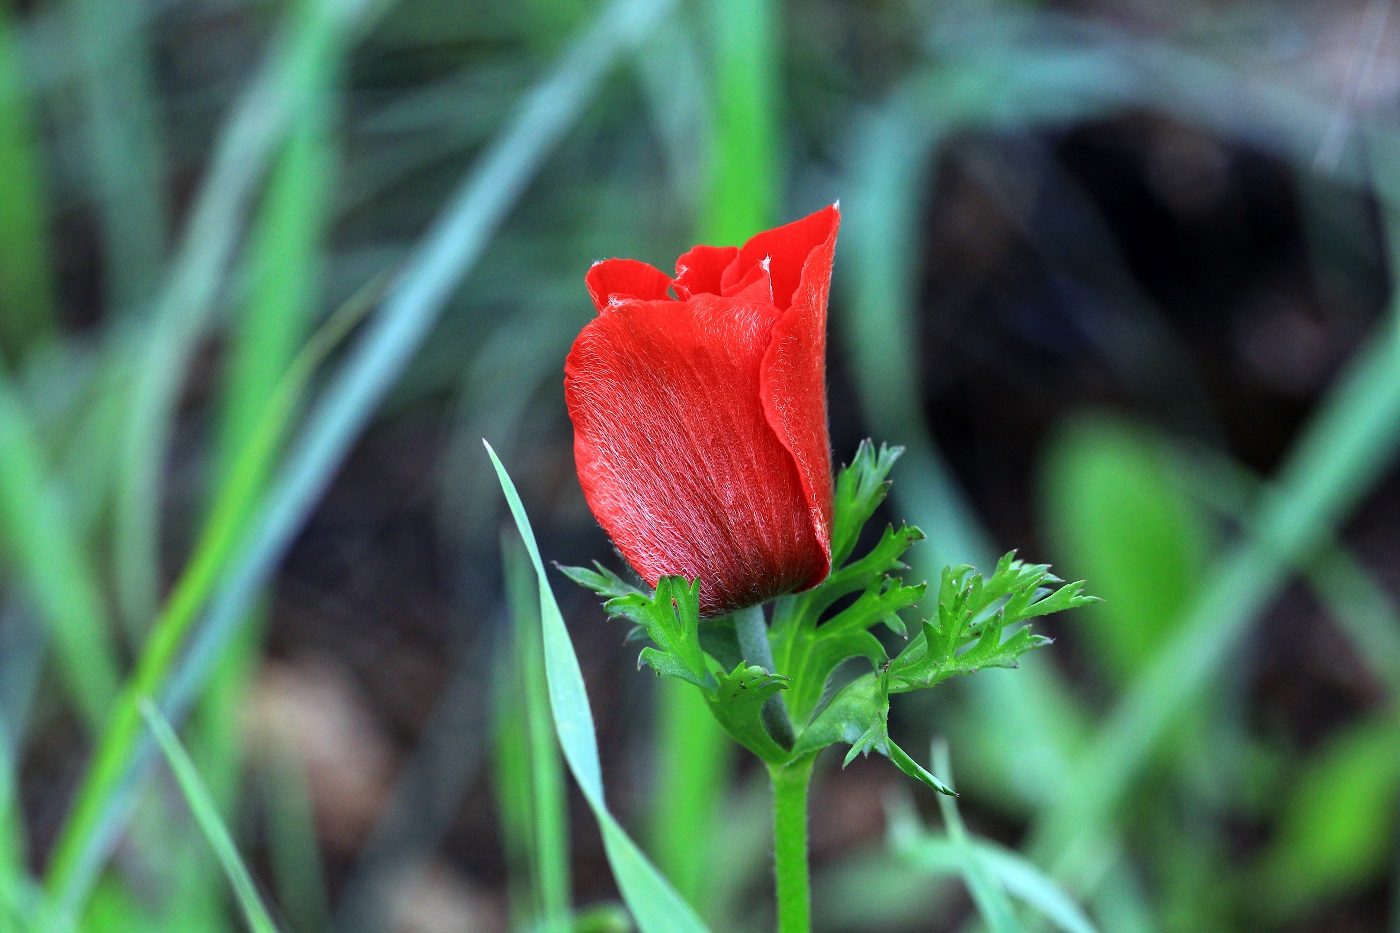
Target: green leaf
[655, 905]
[987, 892]
[1337, 829]
[859, 716]
[1118, 513]
[808, 649]
[601, 581]
[737, 703]
[968, 632]
[671, 619]
[860, 488]
[938, 855]
[206, 814]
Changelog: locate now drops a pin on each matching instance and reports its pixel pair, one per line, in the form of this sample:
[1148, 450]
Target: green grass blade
[986, 889]
[49, 553]
[536, 773]
[404, 320]
[27, 305]
[76, 854]
[124, 144]
[284, 270]
[1342, 453]
[654, 903]
[743, 171]
[206, 814]
[293, 848]
[311, 43]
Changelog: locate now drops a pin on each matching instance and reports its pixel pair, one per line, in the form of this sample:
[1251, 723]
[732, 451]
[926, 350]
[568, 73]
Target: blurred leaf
[1336, 832]
[655, 905]
[1121, 519]
[206, 814]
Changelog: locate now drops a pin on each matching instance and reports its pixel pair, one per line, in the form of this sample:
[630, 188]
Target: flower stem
[752, 630]
[790, 844]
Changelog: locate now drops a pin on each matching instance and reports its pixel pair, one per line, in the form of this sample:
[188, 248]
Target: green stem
[790, 844]
[751, 628]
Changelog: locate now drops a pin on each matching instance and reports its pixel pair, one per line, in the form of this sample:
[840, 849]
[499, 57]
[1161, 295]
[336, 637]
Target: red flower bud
[700, 420]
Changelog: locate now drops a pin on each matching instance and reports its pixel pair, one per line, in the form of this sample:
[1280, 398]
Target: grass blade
[403, 322]
[531, 777]
[124, 146]
[1342, 453]
[27, 305]
[49, 553]
[987, 892]
[206, 814]
[654, 903]
[310, 43]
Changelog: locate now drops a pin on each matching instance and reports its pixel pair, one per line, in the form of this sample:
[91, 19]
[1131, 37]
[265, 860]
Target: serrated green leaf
[737, 703]
[968, 631]
[671, 619]
[860, 488]
[859, 716]
[601, 581]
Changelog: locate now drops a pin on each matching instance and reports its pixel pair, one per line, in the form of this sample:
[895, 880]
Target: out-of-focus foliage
[1117, 276]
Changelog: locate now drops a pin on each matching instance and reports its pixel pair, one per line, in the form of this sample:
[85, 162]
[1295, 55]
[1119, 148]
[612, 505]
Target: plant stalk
[790, 784]
[751, 628]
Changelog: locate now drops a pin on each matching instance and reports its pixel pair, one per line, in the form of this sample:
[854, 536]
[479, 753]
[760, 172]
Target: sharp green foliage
[737, 702]
[655, 905]
[206, 814]
[966, 634]
[814, 634]
[671, 618]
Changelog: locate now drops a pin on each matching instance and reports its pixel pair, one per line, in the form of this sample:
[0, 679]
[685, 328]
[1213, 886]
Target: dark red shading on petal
[793, 381]
[788, 247]
[699, 271]
[625, 278]
[677, 455]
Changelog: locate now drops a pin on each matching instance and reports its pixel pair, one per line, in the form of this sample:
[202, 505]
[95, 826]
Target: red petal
[789, 247]
[676, 453]
[615, 279]
[755, 286]
[699, 271]
[793, 381]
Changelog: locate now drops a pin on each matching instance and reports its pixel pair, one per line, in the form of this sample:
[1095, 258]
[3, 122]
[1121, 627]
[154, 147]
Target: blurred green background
[1119, 276]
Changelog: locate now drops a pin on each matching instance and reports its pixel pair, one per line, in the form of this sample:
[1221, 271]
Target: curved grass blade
[206, 813]
[413, 304]
[986, 889]
[654, 903]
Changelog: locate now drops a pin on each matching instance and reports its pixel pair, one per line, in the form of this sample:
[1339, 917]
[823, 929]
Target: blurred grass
[750, 114]
[28, 311]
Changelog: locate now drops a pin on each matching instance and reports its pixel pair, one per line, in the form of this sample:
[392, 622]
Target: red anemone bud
[700, 420]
